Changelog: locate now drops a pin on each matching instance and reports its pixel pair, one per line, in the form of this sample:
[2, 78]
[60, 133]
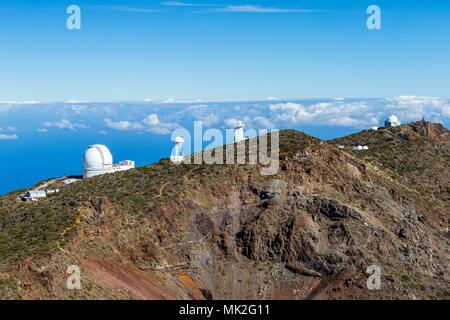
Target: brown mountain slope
[416, 155]
[225, 231]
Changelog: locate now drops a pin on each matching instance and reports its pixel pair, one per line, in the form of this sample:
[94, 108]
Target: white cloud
[75, 101]
[324, 113]
[182, 4]
[158, 118]
[151, 120]
[209, 119]
[446, 111]
[78, 109]
[8, 129]
[123, 125]
[5, 107]
[154, 125]
[20, 102]
[65, 124]
[198, 108]
[163, 128]
[259, 9]
[151, 124]
[289, 112]
[185, 101]
[361, 113]
[344, 121]
[230, 122]
[42, 130]
[130, 9]
[203, 112]
[8, 136]
[172, 100]
[264, 123]
[409, 108]
[102, 132]
[159, 130]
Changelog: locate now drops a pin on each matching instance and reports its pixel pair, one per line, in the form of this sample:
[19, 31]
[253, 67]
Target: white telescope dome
[178, 140]
[393, 118]
[239, 131]
[97, 160]
[238, 125]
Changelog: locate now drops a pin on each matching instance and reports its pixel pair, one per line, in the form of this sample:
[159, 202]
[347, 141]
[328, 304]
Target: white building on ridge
[99, 160]
[239, 131]
[124, 165]
[34, 195]
[361, 148]
[177, 157]
[392, 121]
[70, 180]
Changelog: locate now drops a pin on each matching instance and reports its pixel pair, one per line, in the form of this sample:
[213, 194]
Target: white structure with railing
[99, 160]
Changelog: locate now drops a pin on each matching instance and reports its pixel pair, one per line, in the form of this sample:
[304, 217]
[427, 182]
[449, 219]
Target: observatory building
[361, 148]
[392, 121]
[177, 157]
[239, 131]
[99, 160]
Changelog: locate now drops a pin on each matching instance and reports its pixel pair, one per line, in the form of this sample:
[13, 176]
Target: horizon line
[203, 100]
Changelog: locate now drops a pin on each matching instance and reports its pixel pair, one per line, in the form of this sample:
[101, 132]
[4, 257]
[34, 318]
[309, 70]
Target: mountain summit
[227, 232]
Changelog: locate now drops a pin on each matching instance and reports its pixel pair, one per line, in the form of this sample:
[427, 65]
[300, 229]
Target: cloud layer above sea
[162, 117]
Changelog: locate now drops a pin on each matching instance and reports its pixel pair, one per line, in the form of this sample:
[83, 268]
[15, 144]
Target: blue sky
[222, 49]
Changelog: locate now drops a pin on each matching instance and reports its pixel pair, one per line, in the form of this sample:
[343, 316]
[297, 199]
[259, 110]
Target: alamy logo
[248, 151]
[74, 280]
[374, 281]
[374, 21]
[74, 20]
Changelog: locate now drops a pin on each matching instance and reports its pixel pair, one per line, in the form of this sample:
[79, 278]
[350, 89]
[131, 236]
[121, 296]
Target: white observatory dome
[239, 131]
[238, 125]
[178, 140]
[97, 160]
[393, 119]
